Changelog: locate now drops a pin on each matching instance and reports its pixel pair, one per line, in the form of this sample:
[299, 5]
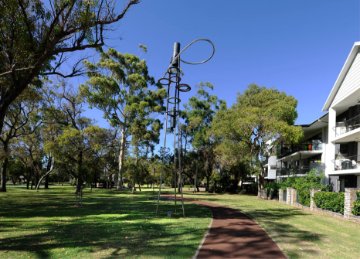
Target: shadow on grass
[142, 238]
[110, 224]
[278, 222]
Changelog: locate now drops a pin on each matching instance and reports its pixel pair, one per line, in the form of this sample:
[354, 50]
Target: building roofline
[308, 125]
[341, 76]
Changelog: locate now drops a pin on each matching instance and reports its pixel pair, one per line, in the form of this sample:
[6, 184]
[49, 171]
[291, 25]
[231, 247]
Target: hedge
[356, 208]
[333, 201]
[303, 185]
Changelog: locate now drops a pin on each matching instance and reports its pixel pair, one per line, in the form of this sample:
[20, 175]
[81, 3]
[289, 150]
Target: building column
[350, 198]
[312, 202]
[293, 196]
[288, 195]
[330, 147]
[281, 195]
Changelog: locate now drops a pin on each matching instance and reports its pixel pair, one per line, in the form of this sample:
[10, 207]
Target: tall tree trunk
[3, 111]
[48, 168]
[261, 181]
[3, 174]
[196, 188]
[119, 184]
[4, 167]
[80, 179]
[46, 183]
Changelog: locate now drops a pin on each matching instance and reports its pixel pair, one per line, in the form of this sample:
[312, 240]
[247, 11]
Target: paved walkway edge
[205, 236]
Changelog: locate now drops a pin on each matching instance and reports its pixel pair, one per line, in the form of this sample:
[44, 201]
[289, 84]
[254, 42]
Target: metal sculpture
[171, 81]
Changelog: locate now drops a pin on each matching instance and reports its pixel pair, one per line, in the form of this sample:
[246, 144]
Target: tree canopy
[261, 116]
[36, 36]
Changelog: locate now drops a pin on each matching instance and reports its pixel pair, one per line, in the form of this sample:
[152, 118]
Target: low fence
[289, 196]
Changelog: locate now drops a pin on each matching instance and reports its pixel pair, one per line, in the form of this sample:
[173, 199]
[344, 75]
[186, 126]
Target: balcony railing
[292, 171]
[347, 163]
[347, 125]
[286, 150]
[320, 167]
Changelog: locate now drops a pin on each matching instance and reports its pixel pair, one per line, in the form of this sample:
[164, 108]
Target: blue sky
[296, 46]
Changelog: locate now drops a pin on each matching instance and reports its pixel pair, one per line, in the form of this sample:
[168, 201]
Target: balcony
[347, 163]
[286, 150]
[347, 125]
[302, 170]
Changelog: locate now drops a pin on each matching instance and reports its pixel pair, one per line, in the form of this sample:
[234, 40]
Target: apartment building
[343, 106]
[299, 159]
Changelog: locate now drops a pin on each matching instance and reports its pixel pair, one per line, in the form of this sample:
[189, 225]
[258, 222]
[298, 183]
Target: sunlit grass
[109, 224]
[298, 233]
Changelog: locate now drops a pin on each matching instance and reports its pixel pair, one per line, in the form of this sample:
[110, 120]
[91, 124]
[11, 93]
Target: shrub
[303, 185]
[272, 189]
[288, 182]
[333, 201]
[356, 208]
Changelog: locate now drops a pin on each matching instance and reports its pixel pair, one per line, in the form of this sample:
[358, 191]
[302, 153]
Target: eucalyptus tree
[16, 124]
[260, 115]
[77, 151]
[199, 113]
[37, 36]
[76, 145]
[119, 86]
[29, 149]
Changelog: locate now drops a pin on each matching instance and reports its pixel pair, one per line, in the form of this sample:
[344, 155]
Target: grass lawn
[46, 224]
[298, 233]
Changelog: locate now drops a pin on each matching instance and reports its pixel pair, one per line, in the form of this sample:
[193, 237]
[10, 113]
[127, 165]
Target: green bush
[288, 182]
[303, 185]
[272, 189]
[356, 208]
[333, 201]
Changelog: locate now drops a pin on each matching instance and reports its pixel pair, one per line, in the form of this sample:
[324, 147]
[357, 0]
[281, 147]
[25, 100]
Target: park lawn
[46, 224]
[299, 234]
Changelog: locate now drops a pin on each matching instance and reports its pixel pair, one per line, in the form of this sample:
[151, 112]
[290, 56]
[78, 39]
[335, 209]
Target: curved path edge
[232, 234]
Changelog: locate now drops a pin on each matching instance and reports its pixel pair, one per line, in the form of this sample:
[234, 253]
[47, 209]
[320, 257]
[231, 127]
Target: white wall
[272, 167]
[351, 81]
[330, 147]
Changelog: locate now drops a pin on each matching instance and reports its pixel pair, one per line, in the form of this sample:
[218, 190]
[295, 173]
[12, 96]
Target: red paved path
[234, 235]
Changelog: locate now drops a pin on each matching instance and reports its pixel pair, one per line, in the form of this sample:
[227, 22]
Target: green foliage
[356, 208]
[272, 188]
[288, 182]
[333, 201]
[303, 185]
[119, 85]
[199, 113]
[198, 116]
[259, 115]
[36, 37]
[220, 182]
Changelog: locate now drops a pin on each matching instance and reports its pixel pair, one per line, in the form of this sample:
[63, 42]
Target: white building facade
[342, 160]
